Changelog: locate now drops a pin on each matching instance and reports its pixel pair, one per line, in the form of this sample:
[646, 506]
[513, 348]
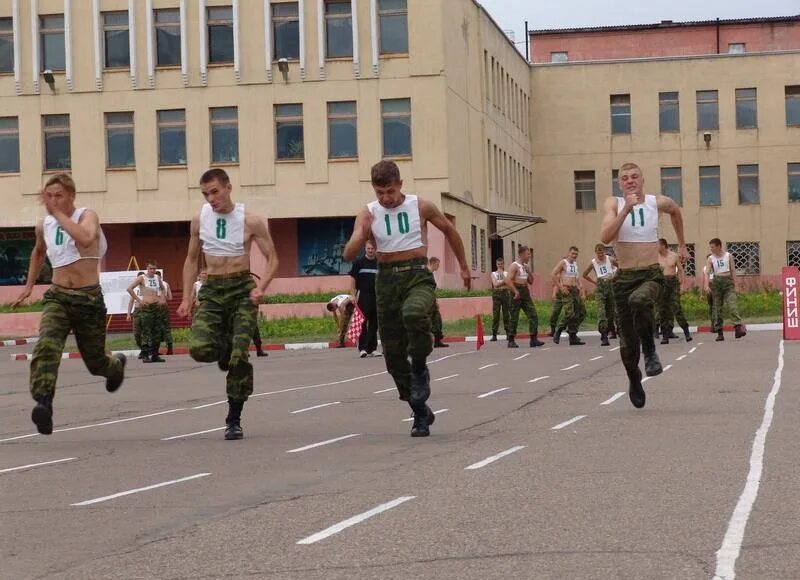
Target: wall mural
[15, 254]
[320, 246]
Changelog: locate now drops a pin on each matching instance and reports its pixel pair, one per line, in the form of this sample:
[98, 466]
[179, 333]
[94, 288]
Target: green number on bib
[59, 236]
[402, 222]
[641, 217]
[388, 225]
[222, 227]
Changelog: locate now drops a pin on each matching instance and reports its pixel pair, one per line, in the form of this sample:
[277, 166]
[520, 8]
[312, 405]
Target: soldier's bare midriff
[78, 274]
[569, 281]
[149, 297]
[416, 254]
[632, 255]
[219, 265]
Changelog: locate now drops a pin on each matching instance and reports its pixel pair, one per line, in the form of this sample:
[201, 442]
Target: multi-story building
[296, 100]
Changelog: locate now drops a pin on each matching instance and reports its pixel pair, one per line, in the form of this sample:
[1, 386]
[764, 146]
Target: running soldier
[603, 267]
[501, 299]
[518, 281]
[228, 301]
[436, 316]
[565, 278]
[164, 323]
[723, 289]
[74, 242]
[405, 287]
[631, 224]
[151, 288]
[670, 309]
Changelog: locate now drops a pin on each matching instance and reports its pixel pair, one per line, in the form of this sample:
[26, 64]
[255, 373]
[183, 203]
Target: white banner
[115, 289]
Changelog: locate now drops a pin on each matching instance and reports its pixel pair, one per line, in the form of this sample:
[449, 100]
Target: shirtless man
[228, 302]
[518, 281]
[631, 224]
[151, 288]
[74, 242]
[604, 267]
[201, 279]
[405, 289]
[723, 289]
[565, 278]
[164, 325]
[670, 308]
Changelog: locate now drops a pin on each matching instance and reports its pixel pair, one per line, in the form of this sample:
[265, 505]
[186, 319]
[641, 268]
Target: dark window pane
[168, 42]
[621, 114]
[53, 57]
[57, 151]
[338, 7]
[707, 110]
[120, 147]
[117, 49]
[172, 146]
[746, 109]
[284, 9]
[220, 13]
[220, 43]
[793, 105]
[710, 193]
[615, 190]
[287, 39]
[394, 33]
[339, 37]
[168, 16]
[668, 112]
[671, 184]
[225, 143]
[6, 45]
[9, 145]
[343, 139]
[397, 136]
[794, 182]
[289, 136]
[115, 18]
[585, 190]
[289, 110]
[748, 184]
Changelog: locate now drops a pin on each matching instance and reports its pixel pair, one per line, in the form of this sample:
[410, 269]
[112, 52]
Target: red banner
[791, 303]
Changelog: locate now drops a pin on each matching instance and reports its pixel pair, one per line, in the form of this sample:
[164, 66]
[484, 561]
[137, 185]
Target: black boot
[494, 338]
[233, 428]
[652, 364]
[671, 333]
[612, 333]
[512, 343]
[574, 340]
[439, 343]
[720, 337]
[664, 335]
[740, 331]
[535, 341]
[421, 427]
[154, 357]
[557, 335]
[113, 383]
[142, 354]
[604, 339]
[686, 333]
[552, 330]
[42, 414]
[169, 349]
[635, 390]
[419, 393]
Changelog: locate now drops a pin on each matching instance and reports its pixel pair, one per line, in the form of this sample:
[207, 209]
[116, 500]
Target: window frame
[793, 173]
[331, 116]
[473, 236]
[127, 125]
[13, 133]
[740, 98]
[615, 189]
[218, 23]
[581, 177]
[700, 102]
[171, 125]
[55, 131]
[393, 115]
[274, 20]
[665, 100]
[289, 119]
[745, 172]
[718, 177]
[390, 13]
[334, 17]
[792, 94]
[225, 123]
[44, 32]
[163, 26]
[115, 28]
[621, 111]
[666, 179]
[8, 36]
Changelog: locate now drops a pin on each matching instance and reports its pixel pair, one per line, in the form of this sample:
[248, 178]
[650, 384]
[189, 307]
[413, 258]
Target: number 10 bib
[396, 229]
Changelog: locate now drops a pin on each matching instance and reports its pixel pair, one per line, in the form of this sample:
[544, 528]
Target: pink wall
[20, 324]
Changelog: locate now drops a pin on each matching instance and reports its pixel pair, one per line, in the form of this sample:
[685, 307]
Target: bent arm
[263, 240]
[668, 206]
[85, 231]
[612, 221]
[132, 286]
[586, 273]
[38, 255]
[192, 255]
[361, 234]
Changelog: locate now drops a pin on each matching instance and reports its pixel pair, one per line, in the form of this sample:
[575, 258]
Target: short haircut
[500, 259]
[385, 173]
[370, 243]
[599, 247]
[627, 166]
[522, 249]
[139, 273]
[331, 306]
[62, 179]
[152, 263]
[715, 242]
[433, 260]
[216, 173]
[663, 242]
[574, 249]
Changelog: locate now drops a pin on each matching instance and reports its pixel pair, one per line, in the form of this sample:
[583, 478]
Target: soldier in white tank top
[604, 267]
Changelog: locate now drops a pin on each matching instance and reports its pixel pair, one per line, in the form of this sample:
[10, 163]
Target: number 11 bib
[641, 224]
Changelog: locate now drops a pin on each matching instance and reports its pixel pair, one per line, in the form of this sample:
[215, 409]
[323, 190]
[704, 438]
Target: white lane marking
[613, 398]
[321, 443]
[490, 393]
[445, 378]
[487, 366]
[644, 380]
[192, 434]
[567, 423]
[527, 354]
[699, 344]
[597, 357]
[537, 379]
[683, 356]
[19, 437]
[30, 465]
[732, 543]
[613, 349]
[384, 390]
[569, 368]
[140, 489]
[691, 350]
[208, 405]
[547, 348]
[494, 458]
[439, 412]
[666, 368]
[349, 522]
[315, 407]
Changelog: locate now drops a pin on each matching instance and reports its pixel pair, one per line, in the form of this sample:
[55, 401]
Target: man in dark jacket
[363, 272]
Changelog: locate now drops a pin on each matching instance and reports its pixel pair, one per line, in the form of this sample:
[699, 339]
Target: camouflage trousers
[723, 293]
[150, 324]
[525, 303]
[225, 322]
[670, 309]
[636, 292]
[604, 298]
[82, 311]
[501, 303]
[574, 309]
[555, 313]
[137, 328]
[344, 321]
[405, 294]
[164, 326]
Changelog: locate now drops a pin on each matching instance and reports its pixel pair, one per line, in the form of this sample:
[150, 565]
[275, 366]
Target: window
[707, 111]
[396, 117]
[559, 56]
[621, 114]
[709, 186]
[746, 257]
[793, 106]
[116, 40]
[286, 30]
[615, 190]
[6, 45]
[513, 249]
[793, 254]
[289, 131]
[57, 154]
[473, 231]
[671, 185]
[338, 29]
[9, 145]
[224, 134]
[669, 112]
[220, 34]
[584, 190]
[51, 31]
[119, 140]
[172, 137]
[393, 26]
[746, 109]
[794, 181]
[748, 184]
[736, 48]
[342, 130]
[483, 250]
[168, 37]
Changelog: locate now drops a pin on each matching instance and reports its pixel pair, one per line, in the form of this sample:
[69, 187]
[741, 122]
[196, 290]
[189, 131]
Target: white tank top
[641, 224]
[522, 274]
[603, 270]
[222, 234]
[340, 299]
[397, 229]
[61, 248]
[153, 283]
[721, 265]
[570, 270]
[498, 277]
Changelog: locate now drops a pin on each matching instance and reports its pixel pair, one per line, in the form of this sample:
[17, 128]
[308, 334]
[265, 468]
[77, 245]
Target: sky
[512, 14]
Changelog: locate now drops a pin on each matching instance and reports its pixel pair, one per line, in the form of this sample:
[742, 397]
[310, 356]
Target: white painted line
[321, 443]
[546, 348]
[439, 412]
[19, 437]
[691, 350]
[114, 422]
[140, 489]
[445, 378]
[732, 543]
[487, 366]
[384, 390]
[537, 379]
[208, 405]
[315, 407]
[336, 528]
[645, 379]
[527, 354]
[683, 356]
[666, 368]
[567, 423]
[613, 398]
[494, 458]
[597, 357]
[569, 368]
[701, 344]
[30, 465]
[613, 349]
[490, 393]
[192, 434]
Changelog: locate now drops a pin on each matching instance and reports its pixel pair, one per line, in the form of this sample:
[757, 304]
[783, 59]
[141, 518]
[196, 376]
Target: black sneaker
[155, 358]
[494, 338]
[260, 353]
[687, 334]
[421, 426]
[113, 383]
[574, 340]
[652, 365]
[42, 415]
[440, 344]
[720, 337]
[635, 390]
[233, 431]
[604, 339]
[665, 340]
[536, 342]
[142, 355]
[740, 331]
[512, 343]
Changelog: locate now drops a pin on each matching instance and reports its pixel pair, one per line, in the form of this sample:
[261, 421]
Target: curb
[19, 341]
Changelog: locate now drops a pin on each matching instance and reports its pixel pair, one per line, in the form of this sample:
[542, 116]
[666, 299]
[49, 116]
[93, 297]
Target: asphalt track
[536, 468]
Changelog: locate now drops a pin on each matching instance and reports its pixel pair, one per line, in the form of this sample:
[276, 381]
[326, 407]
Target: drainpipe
[527, 43]
[717, 35]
